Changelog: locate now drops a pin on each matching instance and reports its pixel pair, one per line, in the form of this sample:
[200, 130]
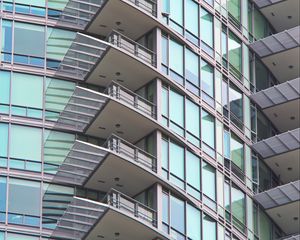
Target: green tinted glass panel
[238, 206]
[23, 87]
[237, 151]
[25, 143]
[235, 52]
[234, 8]
[29, 39]
[265, 227]
[38, 3]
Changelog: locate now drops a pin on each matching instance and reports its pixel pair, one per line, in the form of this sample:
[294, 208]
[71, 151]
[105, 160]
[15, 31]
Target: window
[235, 54]
[6, 47]
[208, 129]
[193, 122]
[265, 227]
[192, 20]
[3, 144]
[236, 105]
[237, 151]
[207, 35]
[177, 111]
[176, 11]
[165, 208]
[25, 148]
[177, 214]
[164, 50]
[260, 25]
[4, 91]
[192, 70]
[177, 163]
[13, 236]
[24, 202]
[234, 9]
[2, 198]
[207, 78]
[176, 57]
[193, 174]
[238, 208]
[209, 178]
[193, 223]
[209, 228]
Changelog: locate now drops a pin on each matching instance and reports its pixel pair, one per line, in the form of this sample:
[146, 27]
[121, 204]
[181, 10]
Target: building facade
[149, 119]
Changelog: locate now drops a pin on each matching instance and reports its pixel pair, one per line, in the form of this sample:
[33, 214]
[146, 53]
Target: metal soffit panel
[79, 218]
[278, 144]
[276, 43]
[81, 109]
[84, 52]
[278, 94]
[294, 237]
[265, 3]
[81, 161]
[280, 195]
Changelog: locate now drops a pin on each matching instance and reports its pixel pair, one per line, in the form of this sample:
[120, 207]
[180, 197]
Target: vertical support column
[158, 206]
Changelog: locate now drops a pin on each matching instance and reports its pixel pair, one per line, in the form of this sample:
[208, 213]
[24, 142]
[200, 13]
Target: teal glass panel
[59, 5]
[176, 11]
[193, 170]
[5, 87]
[13, 236]
[236, 103]
[193, 218]
[177, 160]
[2, 196]
[227, 202]
[165, 154]
[177, 108]
[24, 197]
[192, 67]
[166, 6]
[165, 208]
[29, 39]
[235, 53]
[208, 128]
[165, 102]
[265, 227]
[234, 9]
[192, 17]
[260, 25]
[237, 151]
[209, 181]
[193, 118]
[6, 36]
[25, 143]
[207, 29]
[177, 214]
[23, 85]
[39, 3]
[176, 57]
[207, 78]
[1, 235]
[227, 144]
[209, 228]
[238, 206]
[3, 139]
[164, 50]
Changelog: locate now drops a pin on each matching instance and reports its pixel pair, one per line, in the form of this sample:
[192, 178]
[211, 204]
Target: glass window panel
[227, 144]
[209, 228]
[23, 85]
[265, 226]
[3, 139]
[192, 17]
[209, 178]
[2, 195]
[164, 50]
[39, 3]
[25, 143]
[234, 9]
[177, 214]
[177, 160]
[177, 108]
[193, 170]
[236, 102]
[165, 103]
[207, 29]
[193, 118]
[57, 4]
[261, 75]
[192, 67]
[165, 205]
[176, 56]
[6, 36]
[208, 128]
[193, 223]
[260, 25]
[238, 206]
[237, 151]
[207, 78]
[5, 87]
[176, 11]
[235, 52]
[165, 153]
[24, 197]
[29, 39]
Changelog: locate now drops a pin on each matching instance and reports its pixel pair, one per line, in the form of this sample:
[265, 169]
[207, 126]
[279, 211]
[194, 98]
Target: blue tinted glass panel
[6, 36]
[177, 214]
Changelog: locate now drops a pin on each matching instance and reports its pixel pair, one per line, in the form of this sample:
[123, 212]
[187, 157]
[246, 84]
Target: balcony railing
[129, 205]
[121, 93]
[147, 5]
[132, 47]
[122, 147]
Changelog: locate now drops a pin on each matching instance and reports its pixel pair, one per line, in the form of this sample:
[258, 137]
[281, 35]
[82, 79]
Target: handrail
[116, 38]
[141, 4]
[109, 143]
[115, 90]
[115, 201]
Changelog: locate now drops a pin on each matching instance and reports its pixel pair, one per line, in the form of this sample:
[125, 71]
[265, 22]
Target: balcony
[119, 58]
[281, 153]
[100, 17]
[94, 167]
[281, 104]
[280, 52]
[118, 216]
[282, 205]
[117, 110]
[282, 14]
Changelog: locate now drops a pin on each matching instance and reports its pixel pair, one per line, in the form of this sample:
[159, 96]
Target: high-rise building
[149, 119]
